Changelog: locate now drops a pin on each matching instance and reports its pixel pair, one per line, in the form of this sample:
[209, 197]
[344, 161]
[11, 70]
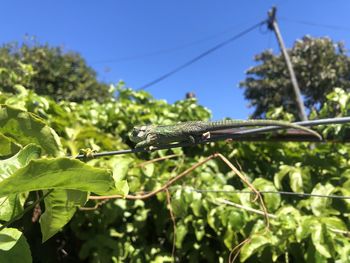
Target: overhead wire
[309, 23]
[200, 56]
[166, 50]
[299, 194]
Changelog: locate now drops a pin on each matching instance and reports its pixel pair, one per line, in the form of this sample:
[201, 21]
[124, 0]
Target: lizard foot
[88, 153]
[206, 136]
[152, 148]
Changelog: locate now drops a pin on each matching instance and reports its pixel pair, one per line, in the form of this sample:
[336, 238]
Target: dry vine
[235, 251]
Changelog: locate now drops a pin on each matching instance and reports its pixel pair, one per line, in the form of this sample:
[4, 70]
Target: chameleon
[153, 136]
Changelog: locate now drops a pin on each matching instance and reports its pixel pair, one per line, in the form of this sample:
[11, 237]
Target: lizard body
[191, 131]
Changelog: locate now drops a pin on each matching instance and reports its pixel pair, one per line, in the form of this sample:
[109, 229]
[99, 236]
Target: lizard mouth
[137, 135]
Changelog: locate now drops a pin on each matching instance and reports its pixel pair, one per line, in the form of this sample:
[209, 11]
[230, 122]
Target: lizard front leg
[206, 136]
[150, 141]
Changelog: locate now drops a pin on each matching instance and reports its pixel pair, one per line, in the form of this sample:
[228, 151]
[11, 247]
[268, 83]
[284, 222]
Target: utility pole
[272, 25]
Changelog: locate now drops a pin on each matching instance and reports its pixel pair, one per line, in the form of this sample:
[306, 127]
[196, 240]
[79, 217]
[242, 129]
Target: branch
[226, 202]
[150, 194]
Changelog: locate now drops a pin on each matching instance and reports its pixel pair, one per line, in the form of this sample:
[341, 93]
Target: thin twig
[187, 171]
[152, 193]
[261, 201]
[171, 212]
[237, 249]
[97, 205]
[251, 186]
[157, 160]
[226, 202]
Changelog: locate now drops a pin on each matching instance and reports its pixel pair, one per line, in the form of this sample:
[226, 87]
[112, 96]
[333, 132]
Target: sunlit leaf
[14, 247]
[9, 237]
[8, 146]
[322, 241]
[60, 206]
[25, 128]
[60, 173]
[12, 204]
[148, 169]
[272, 201]
[256, 244]
[322, 206]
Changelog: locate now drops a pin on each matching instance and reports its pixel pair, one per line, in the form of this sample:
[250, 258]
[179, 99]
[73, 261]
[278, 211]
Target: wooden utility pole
[272, 25]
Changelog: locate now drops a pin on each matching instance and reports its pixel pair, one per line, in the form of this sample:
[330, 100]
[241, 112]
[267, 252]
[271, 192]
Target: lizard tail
[226, 124]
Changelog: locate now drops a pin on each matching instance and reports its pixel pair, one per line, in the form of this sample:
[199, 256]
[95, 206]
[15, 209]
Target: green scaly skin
[149, 136]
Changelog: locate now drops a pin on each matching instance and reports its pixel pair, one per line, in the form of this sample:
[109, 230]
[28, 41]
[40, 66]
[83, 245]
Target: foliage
[320, 66]
[49, 71]
[302, 229]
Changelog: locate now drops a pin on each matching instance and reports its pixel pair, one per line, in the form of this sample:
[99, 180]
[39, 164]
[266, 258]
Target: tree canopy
[320, 66]
[53, 72]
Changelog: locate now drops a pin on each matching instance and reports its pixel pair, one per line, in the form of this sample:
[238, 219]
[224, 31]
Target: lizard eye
[140, 134]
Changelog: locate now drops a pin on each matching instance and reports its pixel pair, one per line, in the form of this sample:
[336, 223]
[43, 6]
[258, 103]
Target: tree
[320, 66]
[61, 75]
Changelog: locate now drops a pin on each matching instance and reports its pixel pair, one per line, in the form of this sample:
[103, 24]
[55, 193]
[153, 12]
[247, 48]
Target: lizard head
[139, 133]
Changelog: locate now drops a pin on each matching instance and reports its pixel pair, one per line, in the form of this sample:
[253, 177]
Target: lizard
[153, 136]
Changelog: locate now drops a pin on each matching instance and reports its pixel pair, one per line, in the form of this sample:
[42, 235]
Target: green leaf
[296, 180]
[196, 203]
[284, 170]
[121, 166]
[321, 206]
[213, 219]
[14, 247]
[25, 128]
[60, 206]
[148, 169]
[12, 205]
[312, 254]
[59, 173]
[8, 146]
[305, 227]
[345, 252]
[229, 238]
[256, 244]
[122, 187]
[334, 222]
[9, 238]
[22, 158]
[295, 177]
[322, 241]
[181, 232]
[272, 201]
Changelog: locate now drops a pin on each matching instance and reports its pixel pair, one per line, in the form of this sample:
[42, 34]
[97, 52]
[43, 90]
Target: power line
[166, 50]
[309, 23]
[298, 194]
[204, 54]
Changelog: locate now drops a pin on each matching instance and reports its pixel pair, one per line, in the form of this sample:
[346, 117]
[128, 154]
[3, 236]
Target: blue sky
[138, 41]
